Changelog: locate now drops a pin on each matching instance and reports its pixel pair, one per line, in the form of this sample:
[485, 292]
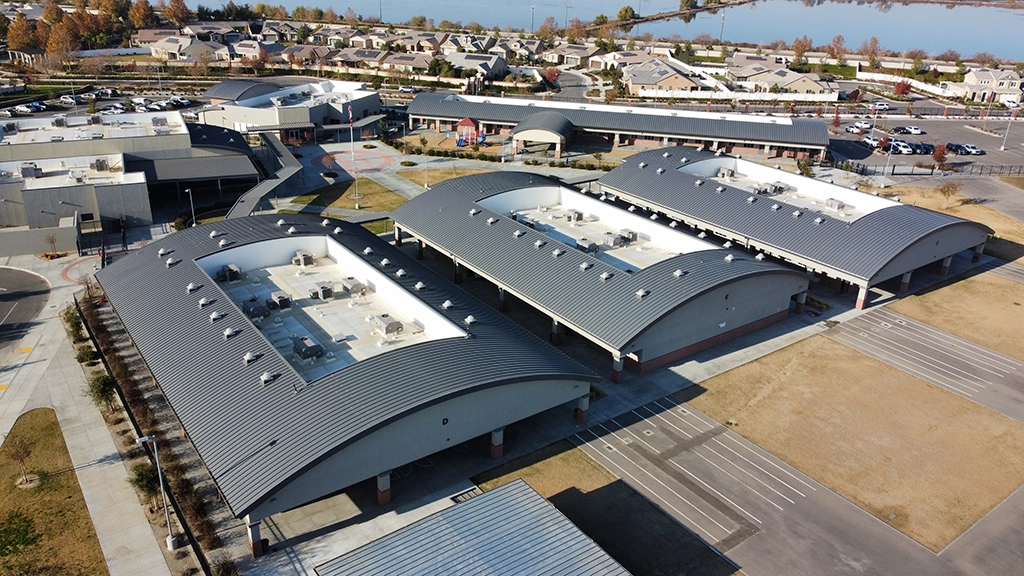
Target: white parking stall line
[770, 475]
[644, 418]
[630, 432]
[737, 480]
[952, 370]
[745, 471]
[955, 341]
[735, 438]
[681, 407]
[949, 352]
[865, 346]
[677, 428]
[617, 437]
[953, 346]
[719, 494]
[655, 494]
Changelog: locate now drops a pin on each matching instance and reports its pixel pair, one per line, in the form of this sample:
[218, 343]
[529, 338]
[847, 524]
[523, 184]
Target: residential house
[743, 59]
[573, 54]
[183, 48]
[247, 49]
[618, 60]
[987, 85]
[657, 77]
[787, 81]
[407, 62]
[276, 31]
[466, 43]
[425, 42]
[491, 66]
[307, 54]
[515, 49]
[333, 36]
[148, 37]
[218, 32]
[358, 57]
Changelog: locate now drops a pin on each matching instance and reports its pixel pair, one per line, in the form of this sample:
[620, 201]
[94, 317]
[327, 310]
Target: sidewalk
[48, 375]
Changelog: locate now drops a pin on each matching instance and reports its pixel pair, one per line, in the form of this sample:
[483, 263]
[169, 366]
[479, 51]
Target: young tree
[350, 17]
[330, 16]
[835, 120]
[178, 12]
[577, 31]
[800, 47]
[102, 389]
[598, 156]
[949, 190]
[551, 74]
[939, 156]
[706, 40]
[547, 30]
[19, 451]
[145, 479]
[902, 88]
[836, 49]
[52, 13]
[142, 15]
[870, 48]
[21, 33]
[627, 13]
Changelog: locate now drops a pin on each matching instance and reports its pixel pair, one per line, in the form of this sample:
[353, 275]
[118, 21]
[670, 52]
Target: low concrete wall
[16, 241]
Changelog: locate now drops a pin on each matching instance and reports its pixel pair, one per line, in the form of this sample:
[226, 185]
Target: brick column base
[497, 451]
[384, 497]
[582, 416]
[799, 307]
[616, 376]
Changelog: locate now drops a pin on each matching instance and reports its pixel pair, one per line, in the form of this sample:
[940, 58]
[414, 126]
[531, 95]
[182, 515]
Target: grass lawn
[54, 509]
[1017, 181]
[375, 197]
[422, 175]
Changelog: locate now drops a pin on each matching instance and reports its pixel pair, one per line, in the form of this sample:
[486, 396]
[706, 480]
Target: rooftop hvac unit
[726, 172]
[585, 245]
[355, 287]
[613, 240]
[56, 138]
[323, 291]
[279, 300]
[574, 216]
[100, 165]
[834, 204]
[628, 234]
[307, 348]
[303, 258]
[386, 325]
[230, 273]
[159, 121]
[30, 170]
[255, 309]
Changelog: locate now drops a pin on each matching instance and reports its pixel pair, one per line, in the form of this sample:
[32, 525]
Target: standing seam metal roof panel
[610, 310]
[509, 530]
[861, 248]
[254, 438]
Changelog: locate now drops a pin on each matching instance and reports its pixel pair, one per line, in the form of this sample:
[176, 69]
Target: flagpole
[351, 137]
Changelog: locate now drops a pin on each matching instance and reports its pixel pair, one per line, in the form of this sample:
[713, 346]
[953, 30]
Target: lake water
[930, 27]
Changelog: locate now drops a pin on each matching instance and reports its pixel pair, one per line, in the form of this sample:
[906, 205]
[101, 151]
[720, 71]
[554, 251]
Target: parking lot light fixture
[172, 542]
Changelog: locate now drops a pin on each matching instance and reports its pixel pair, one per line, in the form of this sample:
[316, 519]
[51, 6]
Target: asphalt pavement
[22, 297]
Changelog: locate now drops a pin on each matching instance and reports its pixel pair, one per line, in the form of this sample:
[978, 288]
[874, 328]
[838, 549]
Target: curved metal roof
[860, 249]
[237, 89]
[254, 438]
[804, 132]
[210, 136]
[548, 120]
[606, 310]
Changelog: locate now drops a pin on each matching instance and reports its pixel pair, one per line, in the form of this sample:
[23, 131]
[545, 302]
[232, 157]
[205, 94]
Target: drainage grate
[648, 433]
[885, 325]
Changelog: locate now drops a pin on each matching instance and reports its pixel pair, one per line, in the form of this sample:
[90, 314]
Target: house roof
[255, 438]
[606, 310]
[509, 530]
[860, 248]
[794, 131]
[651, 72]
[546, 120]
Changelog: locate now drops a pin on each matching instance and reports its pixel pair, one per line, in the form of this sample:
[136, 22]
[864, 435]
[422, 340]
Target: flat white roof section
[308, 95]
[45, 173]
[72, 128]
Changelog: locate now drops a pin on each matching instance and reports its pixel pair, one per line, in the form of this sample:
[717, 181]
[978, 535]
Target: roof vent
[718, 152]
[665, 155]
[632, 208]
[474, 211]
[192, 287]
[325, 222]
[682, 160]
[654, 216]
[679, 273]
[281, 222]
[729, 257]
[491, 220]
[775, 207]
[400, 273]
[203, 302]
[584, 266]
[538, 244]
[797, 213]
[470, 320]
[642, 165]
[518, 233]
[292, 230]
[214, 233]
[228, 333]
[727, 245]
[702, 235]
[337, 230]
[223, 242]
[641, 293]
[698, 182]
[720, 189]
[605, 276]
[447, 304]
[557, 252]
[751, 199]
[819, 220]
[660, 170]
[266, 378]
[162, 252]
[673, 224]
[249, 357]
[170, 262]
[420, 286]
[367, 251]
[214, 316]
[759, 257]
[385, 262]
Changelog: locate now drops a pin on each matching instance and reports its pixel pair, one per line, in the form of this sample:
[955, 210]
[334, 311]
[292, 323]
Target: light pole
[1009, 121]
[532, 8]
[888, 157]
[192, 204]
[566, 22]
[172, 542]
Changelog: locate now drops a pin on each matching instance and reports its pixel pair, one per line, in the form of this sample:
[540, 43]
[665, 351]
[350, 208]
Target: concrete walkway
[46, 374]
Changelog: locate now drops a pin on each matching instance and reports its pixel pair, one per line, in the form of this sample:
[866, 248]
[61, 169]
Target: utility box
[279, 300]
[352, 286]
[834, 204]
[387, 325]
[303, 258]
[307, 348]
[255, 309]
[323, 291]
[612, 240]
[230, 273]
[628, 234]
[574, 216]
[586, 245]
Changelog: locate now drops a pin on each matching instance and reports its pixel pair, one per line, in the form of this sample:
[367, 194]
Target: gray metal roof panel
[859, 249]
[509, 530]
[254, 438]
[606, 310]
[549, 120]
[801, 132]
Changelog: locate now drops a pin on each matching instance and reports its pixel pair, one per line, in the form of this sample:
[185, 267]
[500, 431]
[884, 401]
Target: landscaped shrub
[407, 163]
[369, 146]
[86, 354]
[330, 174]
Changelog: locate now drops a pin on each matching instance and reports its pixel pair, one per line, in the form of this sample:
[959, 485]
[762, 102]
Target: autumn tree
[351, 18]
[870, 49]
[577, 31]
[115, 10]
[836, 49]
[548, 29]
[280, 13]
[800, 47]
[776, 45]
[627, 13]
[52, 13]
[178, 12]
[142, 15]
[21, 33]
[939, 156]
[4, 26]
[551, 74]
[949, 56]
[63, 41]
[330, 16]
[705, 40]
[902, 88]
[42, 34]
[949, 190]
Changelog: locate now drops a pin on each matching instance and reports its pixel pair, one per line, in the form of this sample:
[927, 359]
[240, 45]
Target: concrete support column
[497, 443]
[556, 332]
[458, 272]
[767, 151]
[398, 236]
[615, 140]
[801, 300]
[502, 300]
[977, 252]
[862, 298]
[905, 281]
[419, 249]
[664, 141]
[617, 364]
[714, 144]
[583, 408]
[384, 488]
[844, 287]
[255, 542]
[945, 265]
[558, 150]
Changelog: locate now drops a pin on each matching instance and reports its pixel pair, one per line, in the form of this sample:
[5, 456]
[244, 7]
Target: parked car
[926, 147]
[1011, 104]
[871, 141]
[37, 106]
[863, 124]
[7, 113]
[900, 130]
[179, 102]
[23, 109]
[408, 89]
[853, 129]
[974, 150]
[914, 130]
[955, 149]
[901, 148]
[880, 106]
